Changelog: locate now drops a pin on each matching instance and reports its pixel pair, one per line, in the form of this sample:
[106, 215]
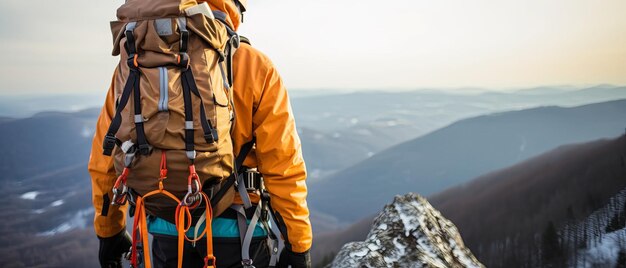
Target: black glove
[296, 260]
[112, 249]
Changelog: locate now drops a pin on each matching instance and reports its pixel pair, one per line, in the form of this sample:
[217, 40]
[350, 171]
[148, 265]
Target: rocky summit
[408, 233]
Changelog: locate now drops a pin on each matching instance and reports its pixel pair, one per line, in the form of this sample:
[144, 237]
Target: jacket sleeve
[279, 157]
[108, 220]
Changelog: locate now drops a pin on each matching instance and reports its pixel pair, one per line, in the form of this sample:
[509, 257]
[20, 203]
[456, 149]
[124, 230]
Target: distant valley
[579, 189]
[459, 152]
[46, 188]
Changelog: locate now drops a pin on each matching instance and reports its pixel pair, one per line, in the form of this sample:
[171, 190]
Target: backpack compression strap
[132, 84]
[232, 45]
[189, 86]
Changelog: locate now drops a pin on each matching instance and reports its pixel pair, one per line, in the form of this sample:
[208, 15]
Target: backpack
[170, 136]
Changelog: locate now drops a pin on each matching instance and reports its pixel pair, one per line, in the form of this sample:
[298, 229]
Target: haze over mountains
[563, 186]
[45, 142]
[501, 213]
[46, 189]
[341, 129]
[362, 124]
[459, 152]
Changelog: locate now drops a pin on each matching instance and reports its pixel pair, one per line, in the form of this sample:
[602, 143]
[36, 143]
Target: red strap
[122, 178]
[183, 224]
[133, 252]
[163, 173]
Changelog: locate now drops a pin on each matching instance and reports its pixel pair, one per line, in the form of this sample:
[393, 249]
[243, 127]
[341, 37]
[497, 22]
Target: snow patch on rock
[408, 233]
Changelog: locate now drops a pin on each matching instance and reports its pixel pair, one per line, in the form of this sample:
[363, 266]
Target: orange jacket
[263, 110]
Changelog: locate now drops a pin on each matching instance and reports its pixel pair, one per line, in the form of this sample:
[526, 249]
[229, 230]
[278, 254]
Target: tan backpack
[173, 116]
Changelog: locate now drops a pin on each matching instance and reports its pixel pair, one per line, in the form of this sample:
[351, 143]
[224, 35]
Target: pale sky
[64, 46]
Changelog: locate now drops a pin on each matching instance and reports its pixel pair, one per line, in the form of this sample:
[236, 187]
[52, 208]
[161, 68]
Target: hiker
[263, 136]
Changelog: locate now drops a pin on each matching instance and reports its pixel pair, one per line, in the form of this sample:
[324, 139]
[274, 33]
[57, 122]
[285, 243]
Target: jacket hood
[227, 6]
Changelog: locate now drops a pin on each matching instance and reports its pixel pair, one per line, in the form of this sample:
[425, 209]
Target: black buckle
[184, 39]
[252, 180]
[265, 196]
[144, 149]
[131, 60]
[265, 215]
[108, 144]
[184, 61]
[211, 136]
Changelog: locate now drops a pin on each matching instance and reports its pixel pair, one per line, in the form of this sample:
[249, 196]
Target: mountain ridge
[446, 157]
[408, 232]
[509, 208]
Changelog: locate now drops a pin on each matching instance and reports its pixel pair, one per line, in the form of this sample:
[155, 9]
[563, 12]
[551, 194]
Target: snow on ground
[605, 252]
[79, 220]
[410, 222]
[30, 195]
[39, 211]
[57, 203]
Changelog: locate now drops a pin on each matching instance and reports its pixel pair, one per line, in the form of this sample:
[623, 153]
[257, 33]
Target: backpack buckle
[252, 180]
[247, 263]
[108, 144]
[132, 61]
[211, 135]
[183, 60]
[144, 149]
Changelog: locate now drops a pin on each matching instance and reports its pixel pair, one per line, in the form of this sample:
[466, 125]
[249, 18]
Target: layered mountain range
[459, 152]
[501, 214]
[45, 203]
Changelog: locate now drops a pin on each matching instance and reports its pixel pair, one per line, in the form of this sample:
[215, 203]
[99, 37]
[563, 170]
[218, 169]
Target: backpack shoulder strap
[238, 169]
[244, 40]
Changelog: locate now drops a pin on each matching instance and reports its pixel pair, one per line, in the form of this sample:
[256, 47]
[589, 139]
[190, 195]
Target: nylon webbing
[196, 228]
[243, 192]
[276, 249]
[228, 78]
[130, 38]
[210, 133]
[184, 65]
[243, 153]
[189, 143]
[224, 78]
[246, 239]
[280, 224]
[245, 150]
[242, 221]
[110, 139]
[142, 143]
[132, 83]
[233, 45]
